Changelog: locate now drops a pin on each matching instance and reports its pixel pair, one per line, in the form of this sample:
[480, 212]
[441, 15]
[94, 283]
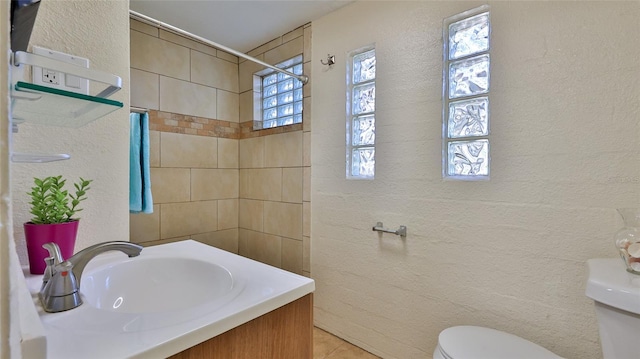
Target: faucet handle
[54, 252]
[48, 272]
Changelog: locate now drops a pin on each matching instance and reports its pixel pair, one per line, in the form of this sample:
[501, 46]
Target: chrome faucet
[60, 289]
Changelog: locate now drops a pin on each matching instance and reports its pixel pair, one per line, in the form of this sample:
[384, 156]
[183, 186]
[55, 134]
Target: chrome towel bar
[402, 231]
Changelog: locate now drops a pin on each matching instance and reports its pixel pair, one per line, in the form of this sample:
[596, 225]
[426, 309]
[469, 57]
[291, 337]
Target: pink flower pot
[62, 234]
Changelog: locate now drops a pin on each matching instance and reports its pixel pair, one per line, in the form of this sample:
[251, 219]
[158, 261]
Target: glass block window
[277, 96]
[361, 117]
[466, 95]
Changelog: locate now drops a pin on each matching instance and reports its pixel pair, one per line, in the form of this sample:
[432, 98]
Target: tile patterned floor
[328, 346]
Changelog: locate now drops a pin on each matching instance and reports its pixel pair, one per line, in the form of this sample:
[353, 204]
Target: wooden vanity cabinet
[284, 333]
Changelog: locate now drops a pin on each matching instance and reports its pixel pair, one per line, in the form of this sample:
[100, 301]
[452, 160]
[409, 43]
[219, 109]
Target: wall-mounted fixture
[402, 231]
[331, 59]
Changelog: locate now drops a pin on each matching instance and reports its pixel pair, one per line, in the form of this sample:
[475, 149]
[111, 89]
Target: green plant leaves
[50, 202]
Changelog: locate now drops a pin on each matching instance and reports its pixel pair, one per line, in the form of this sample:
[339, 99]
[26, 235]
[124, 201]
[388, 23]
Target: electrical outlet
[60, 80]
[50, 77]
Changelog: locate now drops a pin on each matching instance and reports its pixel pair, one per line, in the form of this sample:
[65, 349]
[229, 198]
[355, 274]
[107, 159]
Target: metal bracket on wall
[331, 59]
[402, 231]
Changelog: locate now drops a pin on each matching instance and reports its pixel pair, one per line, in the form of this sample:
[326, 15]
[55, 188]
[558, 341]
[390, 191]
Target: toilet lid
[470, 342]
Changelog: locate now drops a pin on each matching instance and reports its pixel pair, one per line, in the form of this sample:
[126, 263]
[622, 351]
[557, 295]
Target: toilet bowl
[471, 342]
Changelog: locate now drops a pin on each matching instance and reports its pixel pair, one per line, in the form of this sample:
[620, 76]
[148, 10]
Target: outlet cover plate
[59, 80]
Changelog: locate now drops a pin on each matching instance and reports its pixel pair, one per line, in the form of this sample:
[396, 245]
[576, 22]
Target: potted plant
[53, 209]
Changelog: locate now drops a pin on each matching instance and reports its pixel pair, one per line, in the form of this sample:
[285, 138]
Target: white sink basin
[154, 285]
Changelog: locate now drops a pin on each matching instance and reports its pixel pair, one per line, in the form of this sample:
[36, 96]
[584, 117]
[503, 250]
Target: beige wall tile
[145, 227]
[246, 71]
[170, 185]
[257, 103]
[283, 219]
[185, 219]
[226, 240]
[145, 89]
[164, 241]
[228, 106]
[285, 51]
[292, 34]
[306, 184]
[266, 47]
[306, 89]
[187, 98]
[306, 254]
[259, 246]
[292, 184]
[268, 250]
[306, 114]
[214, 184]
[306, 148]
[228, 210]
[283, 150]
[227, 56]
[307, 56]
[183, 41]
[246, 106]
[250, 215]
[178, 150]
[159, 56]
[142, 27]
[228, 153]
[261, 183]
[292, 255]
[306, 219]
[245, 238]
[214, 72]
[252, 152]
[154, 148]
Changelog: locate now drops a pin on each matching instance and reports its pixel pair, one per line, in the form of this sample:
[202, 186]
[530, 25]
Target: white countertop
[87, 332]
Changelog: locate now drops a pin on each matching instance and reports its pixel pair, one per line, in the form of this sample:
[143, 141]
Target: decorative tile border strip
[192, 125]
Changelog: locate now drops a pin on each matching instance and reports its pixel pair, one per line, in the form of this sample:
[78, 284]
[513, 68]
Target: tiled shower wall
[191, 91]
[213, 178]
[275, 168]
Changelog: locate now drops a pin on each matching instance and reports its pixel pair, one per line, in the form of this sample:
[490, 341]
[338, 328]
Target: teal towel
[140, 199]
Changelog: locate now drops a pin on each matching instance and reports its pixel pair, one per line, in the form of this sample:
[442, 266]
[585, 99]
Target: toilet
[471, 342]
[616, 294]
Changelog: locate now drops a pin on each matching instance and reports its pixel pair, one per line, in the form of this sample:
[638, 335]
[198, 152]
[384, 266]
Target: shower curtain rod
[159, 24]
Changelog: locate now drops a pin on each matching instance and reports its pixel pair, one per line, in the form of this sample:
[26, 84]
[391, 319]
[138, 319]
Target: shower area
[214, 179]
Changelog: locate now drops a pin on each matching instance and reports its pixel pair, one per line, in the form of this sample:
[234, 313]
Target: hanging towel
[140, 199]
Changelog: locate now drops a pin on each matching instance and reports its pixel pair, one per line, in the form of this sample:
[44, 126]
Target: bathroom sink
[167, 299]
[155, 290]
[154, 285]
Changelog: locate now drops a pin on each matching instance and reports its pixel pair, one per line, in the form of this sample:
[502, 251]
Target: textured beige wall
[508, 253]
[194, 179]
[99, 31]
[275, 170]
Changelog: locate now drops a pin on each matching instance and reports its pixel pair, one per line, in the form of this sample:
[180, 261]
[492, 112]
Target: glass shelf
[49, 106]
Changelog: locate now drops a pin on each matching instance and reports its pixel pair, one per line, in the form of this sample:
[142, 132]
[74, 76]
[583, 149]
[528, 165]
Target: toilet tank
[616, 293]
